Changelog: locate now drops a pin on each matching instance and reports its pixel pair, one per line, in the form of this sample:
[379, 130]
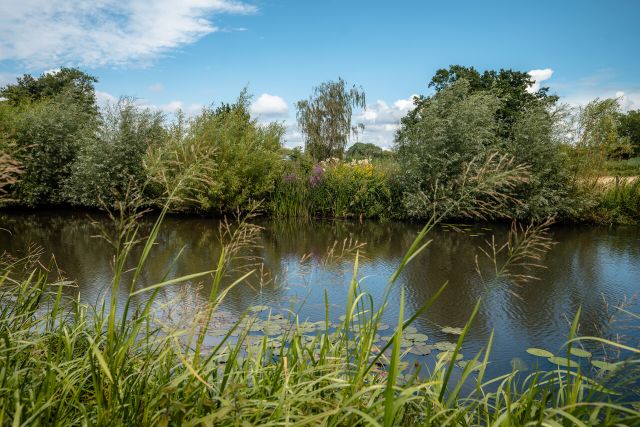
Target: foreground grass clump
[65, 363]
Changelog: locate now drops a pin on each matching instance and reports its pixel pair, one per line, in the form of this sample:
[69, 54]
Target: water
[595, 268]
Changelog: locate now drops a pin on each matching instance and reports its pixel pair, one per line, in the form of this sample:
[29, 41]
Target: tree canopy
[325, 118]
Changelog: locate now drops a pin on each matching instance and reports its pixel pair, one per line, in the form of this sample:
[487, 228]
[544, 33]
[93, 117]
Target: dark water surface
[594, 268]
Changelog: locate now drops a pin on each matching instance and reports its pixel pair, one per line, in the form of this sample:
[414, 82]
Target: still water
[595, 268]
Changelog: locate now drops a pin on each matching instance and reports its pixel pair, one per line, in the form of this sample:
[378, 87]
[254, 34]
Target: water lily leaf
[383, 327]
[605, 366]
[578, 352]
[258, 308]
[563, 361]
[420, 350]
[452, 331]
[447, 355]
[410, 330]
[417, 337]
[444, 346]
[539, 352]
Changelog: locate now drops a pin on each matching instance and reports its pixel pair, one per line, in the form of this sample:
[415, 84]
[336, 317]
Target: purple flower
[316, 175]
[290, 177]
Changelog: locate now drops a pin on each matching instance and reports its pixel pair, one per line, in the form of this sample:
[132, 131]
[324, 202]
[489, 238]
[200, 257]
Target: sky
[186, 54]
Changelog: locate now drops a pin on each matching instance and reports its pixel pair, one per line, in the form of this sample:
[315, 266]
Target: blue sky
[190, 53]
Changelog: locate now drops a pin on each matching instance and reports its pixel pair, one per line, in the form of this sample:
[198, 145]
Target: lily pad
[258, 308]
[444, 346]
[417, 337]
[421, 350]
[538, 352]
[410, 330]
[448, 355]
[563, 361]
[452, 331]
[578, 352]
[605, 366]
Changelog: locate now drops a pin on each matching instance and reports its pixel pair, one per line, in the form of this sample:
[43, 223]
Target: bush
[460, 128]
[220, 161]
[111, 162]
[50, 135]
[336, 189]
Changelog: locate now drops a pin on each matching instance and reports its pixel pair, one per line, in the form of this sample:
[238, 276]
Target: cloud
[382, 121]
[156, 88]
[270, 106]
[539, 76]
[6, 78]
[46, 33]
[105, 98]
[173, 107]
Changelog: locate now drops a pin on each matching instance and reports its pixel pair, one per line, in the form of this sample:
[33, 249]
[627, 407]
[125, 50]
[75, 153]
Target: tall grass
[619, 202]
[66, 363]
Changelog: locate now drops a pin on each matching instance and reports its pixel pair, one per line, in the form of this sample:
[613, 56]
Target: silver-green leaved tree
[325, 118]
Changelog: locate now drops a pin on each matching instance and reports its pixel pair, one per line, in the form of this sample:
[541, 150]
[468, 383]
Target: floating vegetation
[605, 366]
[563, 361]
[452, 331]
[538, 352]
[578, 352]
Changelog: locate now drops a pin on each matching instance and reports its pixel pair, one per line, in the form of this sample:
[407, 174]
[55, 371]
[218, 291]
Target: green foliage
[473, 117]
[629, 167]
[237, 161]
[618, 202]
[111, 162]
[362, 150]
[334, 189]
[49, 119]
[511, 87]
[630, 128]
[325, 118]
[49, 135]
[69, 83]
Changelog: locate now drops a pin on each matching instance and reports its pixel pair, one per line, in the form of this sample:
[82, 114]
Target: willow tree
[325, 118]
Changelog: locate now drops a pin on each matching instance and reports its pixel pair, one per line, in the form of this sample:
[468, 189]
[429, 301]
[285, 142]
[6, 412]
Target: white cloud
[173, 107]
[539, 76]
[105, 98]
[156, 88]
[45, 33]
[382, 120]
[6, 78]
[269, 105]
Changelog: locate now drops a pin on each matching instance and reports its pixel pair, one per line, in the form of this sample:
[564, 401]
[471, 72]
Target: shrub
[111, 162]
[231, 158]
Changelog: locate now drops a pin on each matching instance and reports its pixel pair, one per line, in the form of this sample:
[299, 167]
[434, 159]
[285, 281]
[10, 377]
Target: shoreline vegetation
[58, 148]
[481, 148]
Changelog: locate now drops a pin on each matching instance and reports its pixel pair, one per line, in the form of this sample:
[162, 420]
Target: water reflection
[589, 267]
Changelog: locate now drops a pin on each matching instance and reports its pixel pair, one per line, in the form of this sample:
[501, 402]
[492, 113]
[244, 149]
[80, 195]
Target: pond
[595, 268]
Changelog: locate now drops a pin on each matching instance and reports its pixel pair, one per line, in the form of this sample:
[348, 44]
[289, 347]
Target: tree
[475, 116]
[630, 128]
[325, 118]
[362, 150]
[221, 160]
[510, 86]
[68, 82]
[49, 119]
[111, 162]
